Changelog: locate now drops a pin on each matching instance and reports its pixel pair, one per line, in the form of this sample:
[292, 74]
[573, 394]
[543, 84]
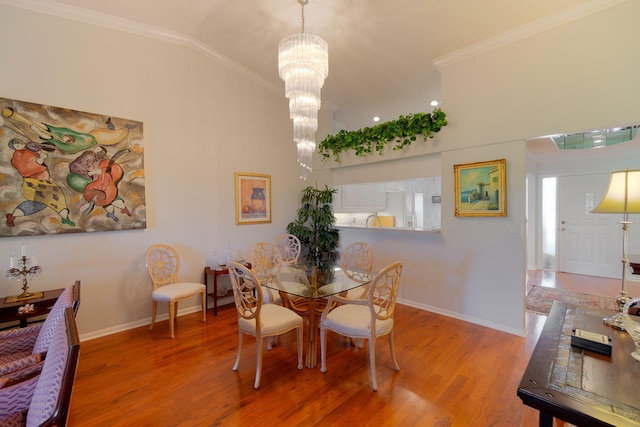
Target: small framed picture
[481, 188]
[253, 198]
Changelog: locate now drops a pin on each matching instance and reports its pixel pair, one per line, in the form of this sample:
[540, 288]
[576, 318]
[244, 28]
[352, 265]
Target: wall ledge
[419, 147]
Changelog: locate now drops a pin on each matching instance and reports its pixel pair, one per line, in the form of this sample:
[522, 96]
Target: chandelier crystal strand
[303, 63]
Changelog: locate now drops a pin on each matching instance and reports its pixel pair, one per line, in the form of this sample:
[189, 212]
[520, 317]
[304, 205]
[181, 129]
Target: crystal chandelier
[303, 62]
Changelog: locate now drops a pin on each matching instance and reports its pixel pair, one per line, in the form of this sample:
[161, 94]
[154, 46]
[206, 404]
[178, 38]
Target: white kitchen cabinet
[414, 203]
[362, 198]
[337, 199]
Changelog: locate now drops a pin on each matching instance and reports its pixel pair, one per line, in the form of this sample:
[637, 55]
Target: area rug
[540, 299]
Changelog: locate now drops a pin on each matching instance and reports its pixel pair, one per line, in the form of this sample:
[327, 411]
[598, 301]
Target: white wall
[202, 122]
[579, 76]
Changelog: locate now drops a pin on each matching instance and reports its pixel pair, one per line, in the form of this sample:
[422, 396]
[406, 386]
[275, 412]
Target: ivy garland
[403, 131]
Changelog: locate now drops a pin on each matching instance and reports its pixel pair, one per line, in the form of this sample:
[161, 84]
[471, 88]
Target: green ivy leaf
[402, 131]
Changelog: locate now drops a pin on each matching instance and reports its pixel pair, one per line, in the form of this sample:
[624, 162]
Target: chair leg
[393, 352]
[204, 306]
[259, 339]
[372, 363]
[299, 332]
[323, 350]
[154, 310]
[357, 342]
[235, 365]
[172, 315]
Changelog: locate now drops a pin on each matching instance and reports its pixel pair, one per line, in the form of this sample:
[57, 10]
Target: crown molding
[120, 24]
[528, 30]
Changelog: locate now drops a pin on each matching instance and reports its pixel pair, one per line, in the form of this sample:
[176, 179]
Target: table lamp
[622, 197]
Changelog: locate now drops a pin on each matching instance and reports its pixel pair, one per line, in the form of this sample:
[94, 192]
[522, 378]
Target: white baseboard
[136, 324]
[470, 319]
[147, 321]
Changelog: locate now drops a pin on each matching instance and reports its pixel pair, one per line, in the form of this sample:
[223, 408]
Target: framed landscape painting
[481, 188]
[253, 198]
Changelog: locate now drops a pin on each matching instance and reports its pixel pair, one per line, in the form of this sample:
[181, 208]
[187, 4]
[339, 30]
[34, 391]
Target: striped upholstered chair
[22, 347]
[32, 398]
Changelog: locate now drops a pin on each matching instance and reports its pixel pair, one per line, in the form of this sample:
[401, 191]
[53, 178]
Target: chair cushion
[176, 291]
[17, 398]
[17, 419]
[267, 297]
[18, 339]
[358, 293]
[275, 320]
[20, 375]
[19, 361]
[354, 321]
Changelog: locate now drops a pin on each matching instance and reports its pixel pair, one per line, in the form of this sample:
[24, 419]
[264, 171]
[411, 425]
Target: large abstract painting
[66, 171]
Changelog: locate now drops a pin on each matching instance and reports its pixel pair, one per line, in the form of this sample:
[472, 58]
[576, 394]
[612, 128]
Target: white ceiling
[381, 52]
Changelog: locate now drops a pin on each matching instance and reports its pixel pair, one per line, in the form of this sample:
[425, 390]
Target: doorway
[574, 240]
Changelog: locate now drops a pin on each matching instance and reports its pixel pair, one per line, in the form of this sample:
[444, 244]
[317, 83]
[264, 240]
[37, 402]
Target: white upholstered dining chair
[258, 319]
[163, 264]
[365, 318]
[289, 247]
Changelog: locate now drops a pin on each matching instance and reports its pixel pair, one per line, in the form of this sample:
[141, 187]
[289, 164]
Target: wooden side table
[41, 306]
[634, 263]
[216, 272]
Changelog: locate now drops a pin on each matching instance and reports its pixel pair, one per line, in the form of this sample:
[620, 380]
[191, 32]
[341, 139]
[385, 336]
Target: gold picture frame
[481, 188]
[253, 198]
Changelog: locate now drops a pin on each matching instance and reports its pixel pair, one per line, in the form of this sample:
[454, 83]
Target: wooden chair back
[356, 261]
[163, 264]
[383, 291]
[265, 260]
[289, 247]
[247, 292]
[52, 395]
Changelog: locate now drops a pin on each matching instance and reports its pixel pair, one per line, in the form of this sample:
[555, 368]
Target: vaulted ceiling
[381, 52]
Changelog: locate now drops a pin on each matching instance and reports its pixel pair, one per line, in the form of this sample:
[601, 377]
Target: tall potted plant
[314, 226]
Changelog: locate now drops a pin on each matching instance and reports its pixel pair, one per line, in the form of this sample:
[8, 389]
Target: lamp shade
[623, 194]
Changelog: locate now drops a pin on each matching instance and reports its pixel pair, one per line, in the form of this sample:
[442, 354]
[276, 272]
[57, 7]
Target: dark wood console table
[216, 272]
[41, 306]
[634, 263]
[579, 386]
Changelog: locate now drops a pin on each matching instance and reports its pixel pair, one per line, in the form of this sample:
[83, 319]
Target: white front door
[589, 244]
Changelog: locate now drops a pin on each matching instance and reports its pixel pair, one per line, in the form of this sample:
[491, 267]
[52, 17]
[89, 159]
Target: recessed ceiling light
[435, 103]
[376, 119]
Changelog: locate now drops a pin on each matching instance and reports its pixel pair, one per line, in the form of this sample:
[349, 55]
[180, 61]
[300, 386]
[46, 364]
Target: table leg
[546, 420]
[312, 336]
[206, 287]
[215, 293]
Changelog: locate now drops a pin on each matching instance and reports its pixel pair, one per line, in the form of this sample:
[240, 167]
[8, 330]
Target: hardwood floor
[452, 373]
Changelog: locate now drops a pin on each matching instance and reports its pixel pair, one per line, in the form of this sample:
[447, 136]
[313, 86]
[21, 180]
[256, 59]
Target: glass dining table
[305, 289]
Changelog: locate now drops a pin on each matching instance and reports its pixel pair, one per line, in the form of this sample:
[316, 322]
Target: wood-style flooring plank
[452, 373]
